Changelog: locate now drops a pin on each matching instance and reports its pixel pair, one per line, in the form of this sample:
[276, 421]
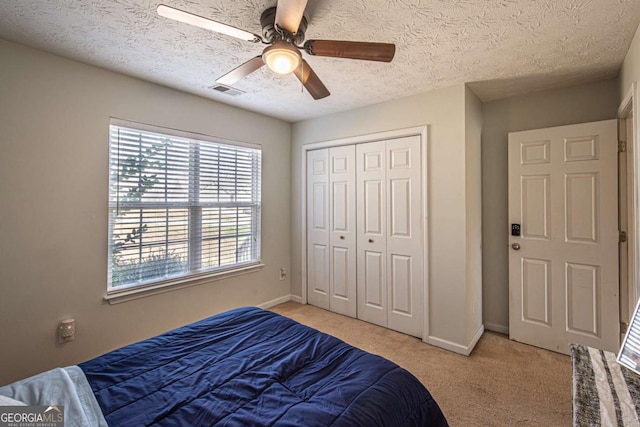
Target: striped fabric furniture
[605, 393]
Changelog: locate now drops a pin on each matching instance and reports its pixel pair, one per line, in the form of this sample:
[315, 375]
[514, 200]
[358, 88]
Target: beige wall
[54, 181]
[579, 104]
[630, 71]
[473, 174]
[54, 116]
[443, 110]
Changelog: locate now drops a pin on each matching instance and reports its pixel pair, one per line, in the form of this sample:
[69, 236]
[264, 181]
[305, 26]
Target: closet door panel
[401, 285]
[373, 216]
[374, 295]
[342, 233]
[404, 238]
[371, 224]
[318, 253]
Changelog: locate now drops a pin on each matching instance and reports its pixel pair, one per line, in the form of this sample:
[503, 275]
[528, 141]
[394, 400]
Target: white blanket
[66, 387]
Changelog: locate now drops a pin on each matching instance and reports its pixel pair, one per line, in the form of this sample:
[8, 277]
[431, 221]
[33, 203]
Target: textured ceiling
[502, 47]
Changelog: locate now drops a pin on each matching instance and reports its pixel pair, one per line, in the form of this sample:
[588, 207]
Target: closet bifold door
[331, 229]
[389, 241]
[404, 236]
[372, 234]
[318, 228]
[342, 226]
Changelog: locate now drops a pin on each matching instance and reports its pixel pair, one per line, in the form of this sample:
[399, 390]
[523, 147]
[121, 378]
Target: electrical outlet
[283, 273]
[67, 330]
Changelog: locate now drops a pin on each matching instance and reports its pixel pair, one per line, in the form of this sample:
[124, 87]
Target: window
[180, 205]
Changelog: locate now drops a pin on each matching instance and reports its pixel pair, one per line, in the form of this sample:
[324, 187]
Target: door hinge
[623, 327]
[622, 238]
[622, 146]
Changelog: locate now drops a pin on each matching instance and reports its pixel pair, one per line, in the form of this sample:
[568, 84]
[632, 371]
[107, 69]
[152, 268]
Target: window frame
[130, 291]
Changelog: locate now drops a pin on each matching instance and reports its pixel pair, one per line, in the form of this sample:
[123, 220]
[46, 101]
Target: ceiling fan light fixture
[282, 57]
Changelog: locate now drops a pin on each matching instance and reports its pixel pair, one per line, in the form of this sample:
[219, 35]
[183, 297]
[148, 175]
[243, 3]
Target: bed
[244, 367]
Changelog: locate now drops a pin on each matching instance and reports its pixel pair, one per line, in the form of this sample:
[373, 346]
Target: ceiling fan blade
[289, 14]
[208, 24]
[242, 71]
[311, 81]
[382, 52]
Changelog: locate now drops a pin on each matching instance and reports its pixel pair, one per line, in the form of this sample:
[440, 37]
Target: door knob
[516, 246]
[341, 237]
[370, 240]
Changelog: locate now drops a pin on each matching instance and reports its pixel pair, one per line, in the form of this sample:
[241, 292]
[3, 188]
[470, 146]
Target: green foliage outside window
[134, 175]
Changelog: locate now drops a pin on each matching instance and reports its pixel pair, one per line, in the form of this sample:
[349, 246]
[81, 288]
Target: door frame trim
[629, 109]
[422, 132]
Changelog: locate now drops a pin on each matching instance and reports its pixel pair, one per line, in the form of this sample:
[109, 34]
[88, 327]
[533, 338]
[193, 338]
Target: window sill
[116, 297]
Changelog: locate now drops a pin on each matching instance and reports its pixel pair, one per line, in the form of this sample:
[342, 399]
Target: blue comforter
[250, 367]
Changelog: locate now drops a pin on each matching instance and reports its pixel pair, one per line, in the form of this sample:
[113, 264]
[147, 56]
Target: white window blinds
[179, 207]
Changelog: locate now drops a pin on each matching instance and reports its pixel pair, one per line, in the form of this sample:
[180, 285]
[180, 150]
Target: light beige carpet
[502, 383]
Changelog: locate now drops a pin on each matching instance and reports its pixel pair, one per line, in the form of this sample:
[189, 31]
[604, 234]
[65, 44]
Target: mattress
[248, 367]
[245, 367]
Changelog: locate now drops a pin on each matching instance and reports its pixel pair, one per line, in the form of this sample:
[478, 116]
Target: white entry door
[563, 268]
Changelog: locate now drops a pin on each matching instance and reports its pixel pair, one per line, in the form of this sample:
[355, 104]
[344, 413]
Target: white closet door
[371, 240]
[364, 232]
[404, 236]
[342, 235]
[318, 228]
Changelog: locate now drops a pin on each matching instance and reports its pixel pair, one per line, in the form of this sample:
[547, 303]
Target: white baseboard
[475, 339]
[296, 298]
[455, 347]
[501, 329]
[274, 302]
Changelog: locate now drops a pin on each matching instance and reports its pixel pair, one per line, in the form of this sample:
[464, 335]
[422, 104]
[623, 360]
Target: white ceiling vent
[228, 90]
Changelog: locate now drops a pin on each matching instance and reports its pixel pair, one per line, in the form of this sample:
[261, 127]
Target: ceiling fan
[283, 30]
